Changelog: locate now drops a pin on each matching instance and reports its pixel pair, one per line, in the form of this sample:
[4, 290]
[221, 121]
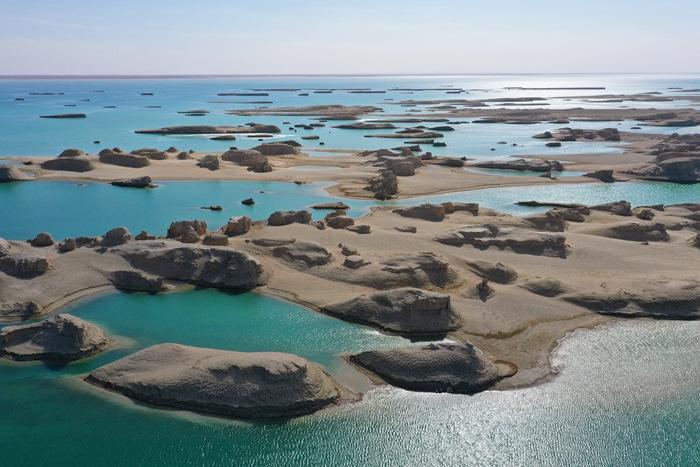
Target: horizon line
[283, 75]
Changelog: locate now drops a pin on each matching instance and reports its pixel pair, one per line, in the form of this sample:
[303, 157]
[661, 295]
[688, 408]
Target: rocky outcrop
[515, 239]
[137, 182]
[619, 208]
[634, 231]
[68, 164]
[210, 162]
[553, 220]
[384, 186]
[339, 222]
[428, 212]
[366, 126]
[335, 206]
[452, 207]
[215, 239]
[279, 218]
[18, 311]
[23, 264]
[72, 153]
[664, 300]
[220, 382]
[238, 226]
[458, 368]
[546, 286]
[246, 158]
[123, 160]
[206, 129]
[276, 149]
[404, 310]
[61, 337]
[12, 174]
[137, 281]
[42, 239]
[676, 170]
[534, 165]
[605, 176]
[497, 272]
[116, 236]
[179, 228]
[303, 254]
[222, 268]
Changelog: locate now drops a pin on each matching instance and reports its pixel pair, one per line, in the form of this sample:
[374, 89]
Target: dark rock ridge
[64, 116]
[61, 337]
[279, 218]
[405, 310]
[136, 182]
[384, 186]
[276, 149]
[221, 382]
[458, 368]
[207, 129]
[535, 165]
[135, 161]
[428, 212]
[203, 266]
[68, 164]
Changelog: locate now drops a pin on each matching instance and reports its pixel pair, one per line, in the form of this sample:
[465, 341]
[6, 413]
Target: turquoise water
[603, 408]
[115, 126]
[67, 209]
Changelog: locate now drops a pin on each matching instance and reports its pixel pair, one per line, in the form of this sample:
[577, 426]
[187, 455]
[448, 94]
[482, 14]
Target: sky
[136, 37]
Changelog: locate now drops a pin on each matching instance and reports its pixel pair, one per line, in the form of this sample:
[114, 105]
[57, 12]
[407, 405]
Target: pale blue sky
[358, 36]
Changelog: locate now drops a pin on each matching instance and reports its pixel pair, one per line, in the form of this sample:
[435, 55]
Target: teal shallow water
[68, 209]
[604, 407]
[115, 126]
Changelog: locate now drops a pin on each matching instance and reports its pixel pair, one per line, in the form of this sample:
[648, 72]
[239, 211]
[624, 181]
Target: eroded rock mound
[546, 286]
[11, 174]
[16, 311]
[279, 218]
[205, 266]
[522, 241]
[634, 231]
[497, 272]
[61, 337]
[404, 310]
[235, 384]
[534, 165]
[665, 299]
[136, 182]
[68, 164]
[23, 264]
[137, 281]
[303, 254]
[458, 368]
[428, 212]
[123, 160]
[276, 149]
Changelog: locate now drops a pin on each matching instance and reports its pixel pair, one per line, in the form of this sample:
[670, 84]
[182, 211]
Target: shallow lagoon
[592, 413]
[72, 209]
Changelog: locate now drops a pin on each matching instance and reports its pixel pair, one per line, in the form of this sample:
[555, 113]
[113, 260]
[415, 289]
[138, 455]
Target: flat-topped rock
[61, 337]
[276, 149]
[303, 254]
[664, 299]
[244, 157]
[405, 310]
[136, 182]
[208, 129]
[534, 165]
[280, 218]
[222, 268]
[633, 231]
[124, 160]
[68, 164]
[220, 382]
[458, 368]
[515, 239]
[23, 264]
[335, 205]
[428, 212]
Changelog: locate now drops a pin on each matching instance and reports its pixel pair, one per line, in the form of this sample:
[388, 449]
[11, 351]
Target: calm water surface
[604, 407]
